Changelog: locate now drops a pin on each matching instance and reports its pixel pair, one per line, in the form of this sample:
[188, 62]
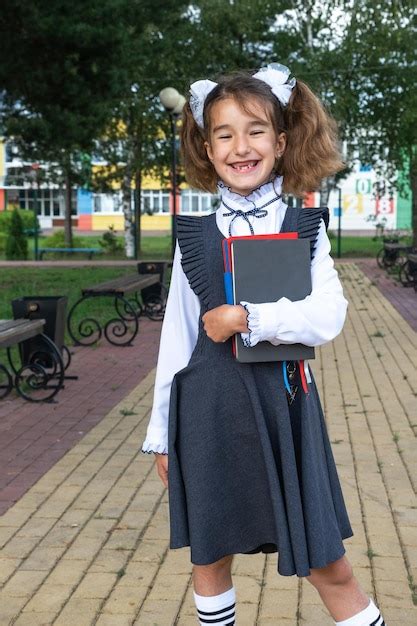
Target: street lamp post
[173, 103]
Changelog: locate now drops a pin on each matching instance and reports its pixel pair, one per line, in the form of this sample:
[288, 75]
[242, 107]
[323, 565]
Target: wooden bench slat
[15, 331]
[124, 284]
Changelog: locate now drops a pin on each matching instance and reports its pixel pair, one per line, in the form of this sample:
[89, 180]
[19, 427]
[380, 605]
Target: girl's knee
[223, 563]
[337, 573]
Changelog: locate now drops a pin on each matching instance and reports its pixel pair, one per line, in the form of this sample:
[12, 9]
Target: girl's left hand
[224, 321]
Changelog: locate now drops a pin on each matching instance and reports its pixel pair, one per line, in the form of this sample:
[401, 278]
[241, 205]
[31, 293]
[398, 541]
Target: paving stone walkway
[33, 437]
[88, 543]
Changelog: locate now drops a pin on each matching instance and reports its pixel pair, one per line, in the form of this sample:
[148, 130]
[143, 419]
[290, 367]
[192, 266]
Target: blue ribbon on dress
[256, 212]
[239, 213]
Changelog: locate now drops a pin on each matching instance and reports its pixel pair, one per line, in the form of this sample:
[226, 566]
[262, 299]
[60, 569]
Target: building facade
[361, 206]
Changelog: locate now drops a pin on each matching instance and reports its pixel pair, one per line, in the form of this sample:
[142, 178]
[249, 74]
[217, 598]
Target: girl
[250, 465]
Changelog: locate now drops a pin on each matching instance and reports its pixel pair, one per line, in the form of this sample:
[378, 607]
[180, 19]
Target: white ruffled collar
[256, 198]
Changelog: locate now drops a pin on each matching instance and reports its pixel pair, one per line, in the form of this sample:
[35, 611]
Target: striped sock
[218, 610]
[370, 616]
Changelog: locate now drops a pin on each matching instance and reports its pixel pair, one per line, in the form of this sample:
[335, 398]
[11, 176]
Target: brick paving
[404, 299]
[33, 437]
[88, 543]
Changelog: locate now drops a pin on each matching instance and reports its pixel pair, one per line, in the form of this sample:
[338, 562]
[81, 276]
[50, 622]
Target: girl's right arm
[178, 338]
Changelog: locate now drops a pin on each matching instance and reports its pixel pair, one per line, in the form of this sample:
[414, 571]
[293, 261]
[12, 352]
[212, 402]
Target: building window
[56, 203]
[194, 201]
[155, 201]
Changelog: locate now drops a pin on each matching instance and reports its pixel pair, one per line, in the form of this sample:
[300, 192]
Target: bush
[109, 241]
[27, 218]
[17, 243]
[3, 239]
[57, 240]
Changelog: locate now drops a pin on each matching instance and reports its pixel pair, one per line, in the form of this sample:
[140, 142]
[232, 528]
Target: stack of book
[265, 268]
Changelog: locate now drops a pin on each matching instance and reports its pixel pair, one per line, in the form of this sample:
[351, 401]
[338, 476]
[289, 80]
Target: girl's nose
[242, 146]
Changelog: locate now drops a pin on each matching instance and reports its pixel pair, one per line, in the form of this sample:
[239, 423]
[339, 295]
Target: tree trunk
[67, 217]
[128, 215]
[138, 198]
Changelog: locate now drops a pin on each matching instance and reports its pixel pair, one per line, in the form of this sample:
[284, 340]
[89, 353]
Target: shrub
[57, 240]
[109, 241]
[3, 239]
[27, 218]
[17, 243]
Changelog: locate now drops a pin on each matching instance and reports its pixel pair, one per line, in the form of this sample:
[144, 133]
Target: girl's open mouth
[244, 166]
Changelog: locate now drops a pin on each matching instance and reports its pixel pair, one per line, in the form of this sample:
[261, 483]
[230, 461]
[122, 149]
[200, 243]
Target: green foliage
[110, 242]
[16, 244]
[3, 239]
[57, 240]
[27, 218]
[382, 120]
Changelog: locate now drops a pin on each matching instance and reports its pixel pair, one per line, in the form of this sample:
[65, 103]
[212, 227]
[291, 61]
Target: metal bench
[40, 374]
[392, 255]
[89, 251]
[121, 330]
[408, 271]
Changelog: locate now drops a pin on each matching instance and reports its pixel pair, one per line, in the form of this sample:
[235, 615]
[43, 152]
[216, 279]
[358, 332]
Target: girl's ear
[281, 144]
[208, 150]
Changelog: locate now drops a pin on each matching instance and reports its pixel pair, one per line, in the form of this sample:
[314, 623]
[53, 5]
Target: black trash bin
[50, 308]
[158, 290]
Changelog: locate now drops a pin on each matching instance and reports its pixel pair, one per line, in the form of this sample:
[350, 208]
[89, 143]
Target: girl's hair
[312, 150]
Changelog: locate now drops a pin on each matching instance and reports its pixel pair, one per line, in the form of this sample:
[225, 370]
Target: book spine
[228, 287]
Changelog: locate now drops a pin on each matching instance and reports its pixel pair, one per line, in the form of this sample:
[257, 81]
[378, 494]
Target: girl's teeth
[247, 166]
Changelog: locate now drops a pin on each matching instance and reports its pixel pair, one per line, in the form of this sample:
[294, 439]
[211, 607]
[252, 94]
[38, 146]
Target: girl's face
[243, 147]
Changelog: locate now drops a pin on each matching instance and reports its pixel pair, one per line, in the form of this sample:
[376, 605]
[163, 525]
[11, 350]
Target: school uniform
[247, 471]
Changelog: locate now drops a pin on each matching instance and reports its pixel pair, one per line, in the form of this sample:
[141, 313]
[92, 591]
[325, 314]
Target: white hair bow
[275, 75]
[199, 92]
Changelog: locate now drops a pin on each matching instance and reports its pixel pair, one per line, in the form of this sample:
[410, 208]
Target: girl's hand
[162, 467]
[224, 321]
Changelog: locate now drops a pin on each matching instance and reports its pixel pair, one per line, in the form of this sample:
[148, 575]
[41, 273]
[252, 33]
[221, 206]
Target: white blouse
[313, 321]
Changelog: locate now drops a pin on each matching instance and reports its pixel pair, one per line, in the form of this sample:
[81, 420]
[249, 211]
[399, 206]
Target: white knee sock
[370, 616]
[218, 610]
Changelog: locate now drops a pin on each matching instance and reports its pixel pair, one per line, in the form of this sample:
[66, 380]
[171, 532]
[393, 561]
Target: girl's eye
[257, 132]
[224, 136]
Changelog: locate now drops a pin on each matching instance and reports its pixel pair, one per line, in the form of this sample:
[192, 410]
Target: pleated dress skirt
[247, 471]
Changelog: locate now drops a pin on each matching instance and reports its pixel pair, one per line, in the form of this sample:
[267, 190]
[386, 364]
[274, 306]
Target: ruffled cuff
[251, 338]
[159, 448]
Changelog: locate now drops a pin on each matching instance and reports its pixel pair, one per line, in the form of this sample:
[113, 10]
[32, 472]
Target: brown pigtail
[312, 152]
[198, 167]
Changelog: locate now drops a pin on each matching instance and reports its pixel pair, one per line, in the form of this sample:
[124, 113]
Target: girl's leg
[214, 593]
[343, 596]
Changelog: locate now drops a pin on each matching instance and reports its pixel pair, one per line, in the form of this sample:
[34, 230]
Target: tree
[382, 120]
[63, 69]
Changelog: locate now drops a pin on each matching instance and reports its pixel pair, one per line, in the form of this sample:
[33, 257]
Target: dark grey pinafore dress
[247, 472]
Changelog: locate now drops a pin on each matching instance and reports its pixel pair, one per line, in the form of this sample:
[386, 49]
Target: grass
[159, 247]
[371, 554]
[38, 281]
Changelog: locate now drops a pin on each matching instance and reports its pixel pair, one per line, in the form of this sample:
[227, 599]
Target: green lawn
[20, 282]
[152, 248]
[159, 247]
[356, 246]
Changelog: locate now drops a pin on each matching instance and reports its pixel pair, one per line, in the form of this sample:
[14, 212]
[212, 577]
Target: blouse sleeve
[313, 321]
[178, 338]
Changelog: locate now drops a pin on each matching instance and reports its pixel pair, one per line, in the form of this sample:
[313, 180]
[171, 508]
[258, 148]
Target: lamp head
[169, 98]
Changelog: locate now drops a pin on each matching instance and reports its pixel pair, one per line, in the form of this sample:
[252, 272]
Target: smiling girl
[249, 469]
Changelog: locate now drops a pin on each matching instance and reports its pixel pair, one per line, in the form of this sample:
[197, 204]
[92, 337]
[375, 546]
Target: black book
[265, 271]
